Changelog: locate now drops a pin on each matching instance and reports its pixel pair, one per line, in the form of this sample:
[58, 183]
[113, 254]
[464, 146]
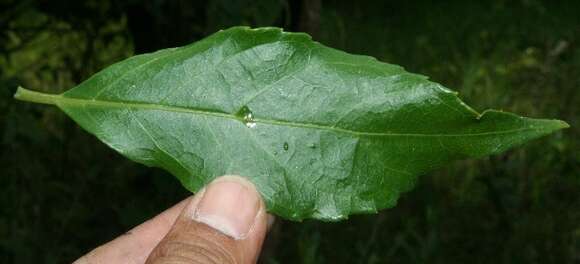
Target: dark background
[62, 192]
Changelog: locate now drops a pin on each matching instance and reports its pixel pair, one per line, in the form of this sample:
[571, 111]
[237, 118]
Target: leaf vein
[180, 109]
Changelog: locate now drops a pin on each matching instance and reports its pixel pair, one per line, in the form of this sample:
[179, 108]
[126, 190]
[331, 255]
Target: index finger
[135, 245]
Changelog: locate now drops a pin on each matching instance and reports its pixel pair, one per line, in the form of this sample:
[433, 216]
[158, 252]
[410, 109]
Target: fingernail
[230, 205]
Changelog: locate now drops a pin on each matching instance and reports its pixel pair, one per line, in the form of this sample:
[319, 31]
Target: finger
[224, 223]
[137, 244]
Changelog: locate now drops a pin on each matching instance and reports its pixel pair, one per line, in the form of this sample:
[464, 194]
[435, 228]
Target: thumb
[224, 223]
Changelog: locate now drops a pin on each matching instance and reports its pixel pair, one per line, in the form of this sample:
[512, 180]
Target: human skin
[225, 222]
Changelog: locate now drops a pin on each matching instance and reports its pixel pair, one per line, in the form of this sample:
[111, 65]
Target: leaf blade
[322, 133]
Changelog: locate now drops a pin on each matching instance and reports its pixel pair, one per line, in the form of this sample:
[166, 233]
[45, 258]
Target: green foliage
[323, 134]
[58, 200]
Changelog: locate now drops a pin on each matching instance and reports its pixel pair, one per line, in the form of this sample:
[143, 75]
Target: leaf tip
[559, 124]
[549, 125]
[544, 127]
[563, 124]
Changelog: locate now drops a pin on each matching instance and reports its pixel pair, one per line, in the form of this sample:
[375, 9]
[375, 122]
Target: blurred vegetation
[62, 192]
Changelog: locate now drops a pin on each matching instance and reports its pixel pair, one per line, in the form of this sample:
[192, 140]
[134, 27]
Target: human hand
[225, 222]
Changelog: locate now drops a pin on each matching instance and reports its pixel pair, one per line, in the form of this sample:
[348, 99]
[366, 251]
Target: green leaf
[322, 133]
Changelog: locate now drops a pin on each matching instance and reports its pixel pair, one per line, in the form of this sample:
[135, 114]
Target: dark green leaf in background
[322, 133]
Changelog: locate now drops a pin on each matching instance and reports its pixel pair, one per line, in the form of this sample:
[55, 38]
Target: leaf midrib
[59, 100]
